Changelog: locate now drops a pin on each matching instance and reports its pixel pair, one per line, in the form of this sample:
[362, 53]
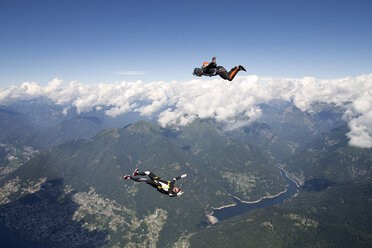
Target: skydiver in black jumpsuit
[165, 187]
[211, 69]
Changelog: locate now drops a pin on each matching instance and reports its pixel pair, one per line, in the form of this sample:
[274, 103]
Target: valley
[74, 190]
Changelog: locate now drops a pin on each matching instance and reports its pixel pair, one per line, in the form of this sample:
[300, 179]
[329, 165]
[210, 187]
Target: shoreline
[248, 202]
[288, 176]
[212, 218]
[226, 206]
[262, 198]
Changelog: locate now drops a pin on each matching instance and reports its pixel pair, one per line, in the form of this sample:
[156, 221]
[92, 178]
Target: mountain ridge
[93, 169]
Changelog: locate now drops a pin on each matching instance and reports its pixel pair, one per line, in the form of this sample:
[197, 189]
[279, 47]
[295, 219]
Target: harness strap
[161, 187]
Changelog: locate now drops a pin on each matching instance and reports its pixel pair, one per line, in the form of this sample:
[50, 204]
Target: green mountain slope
[330, 158]
[333, 208]
[38, 124]
[135, 213]
[336, 217]
[13, 151]
[239, 167]
[284, 130]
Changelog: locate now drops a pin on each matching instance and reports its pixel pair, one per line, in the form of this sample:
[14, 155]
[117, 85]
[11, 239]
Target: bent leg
[139, 179]
[233, 72]
[144, 180]
[150, 181]
[222, 72]
[151, 175]
[140, 173]
[148, 173]
[154, 182]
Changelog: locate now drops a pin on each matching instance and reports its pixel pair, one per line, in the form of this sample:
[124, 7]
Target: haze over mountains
[235, 103]
[64, 151]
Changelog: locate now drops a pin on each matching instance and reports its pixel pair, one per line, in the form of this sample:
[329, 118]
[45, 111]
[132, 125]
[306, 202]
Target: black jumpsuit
[165, 187]
[211, 69]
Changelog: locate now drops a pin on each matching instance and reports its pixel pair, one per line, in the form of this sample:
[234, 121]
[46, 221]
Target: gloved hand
[184, 175]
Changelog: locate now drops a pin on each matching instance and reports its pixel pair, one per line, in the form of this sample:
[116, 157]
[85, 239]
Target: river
[242, 207]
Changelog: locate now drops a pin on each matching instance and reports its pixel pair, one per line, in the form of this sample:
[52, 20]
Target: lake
[241, 207]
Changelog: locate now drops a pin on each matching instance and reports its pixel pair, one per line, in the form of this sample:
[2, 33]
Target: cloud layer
[236, 102]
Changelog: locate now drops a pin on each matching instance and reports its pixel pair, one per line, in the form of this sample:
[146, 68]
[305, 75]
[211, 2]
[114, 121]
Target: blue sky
[163, 40]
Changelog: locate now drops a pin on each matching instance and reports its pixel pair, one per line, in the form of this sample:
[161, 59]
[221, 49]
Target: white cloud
[360, 134]
[234, 103]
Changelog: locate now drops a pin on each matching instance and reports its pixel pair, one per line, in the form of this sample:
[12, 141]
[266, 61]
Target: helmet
[205, 63]
[198, 72]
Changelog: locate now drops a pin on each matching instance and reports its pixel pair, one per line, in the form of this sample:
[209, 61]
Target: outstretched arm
[212, 64]
[174, 195]
[178, 178]
[171, 185]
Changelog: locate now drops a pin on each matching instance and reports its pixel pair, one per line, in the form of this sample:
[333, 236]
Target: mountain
[28, 127]
[69, 191]
[13, 152]
[75, 128]
[260, 134]
[235, 162]
[13, 126]
[284, 130]
[338, 216]
[42, 124]
[330, 158]
[333, 208]
[84, 179]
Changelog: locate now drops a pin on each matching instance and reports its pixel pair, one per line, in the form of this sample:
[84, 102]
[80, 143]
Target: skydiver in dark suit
[211, 69]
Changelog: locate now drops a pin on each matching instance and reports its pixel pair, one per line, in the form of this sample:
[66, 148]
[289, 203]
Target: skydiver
[211, 69]
[165, 187]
